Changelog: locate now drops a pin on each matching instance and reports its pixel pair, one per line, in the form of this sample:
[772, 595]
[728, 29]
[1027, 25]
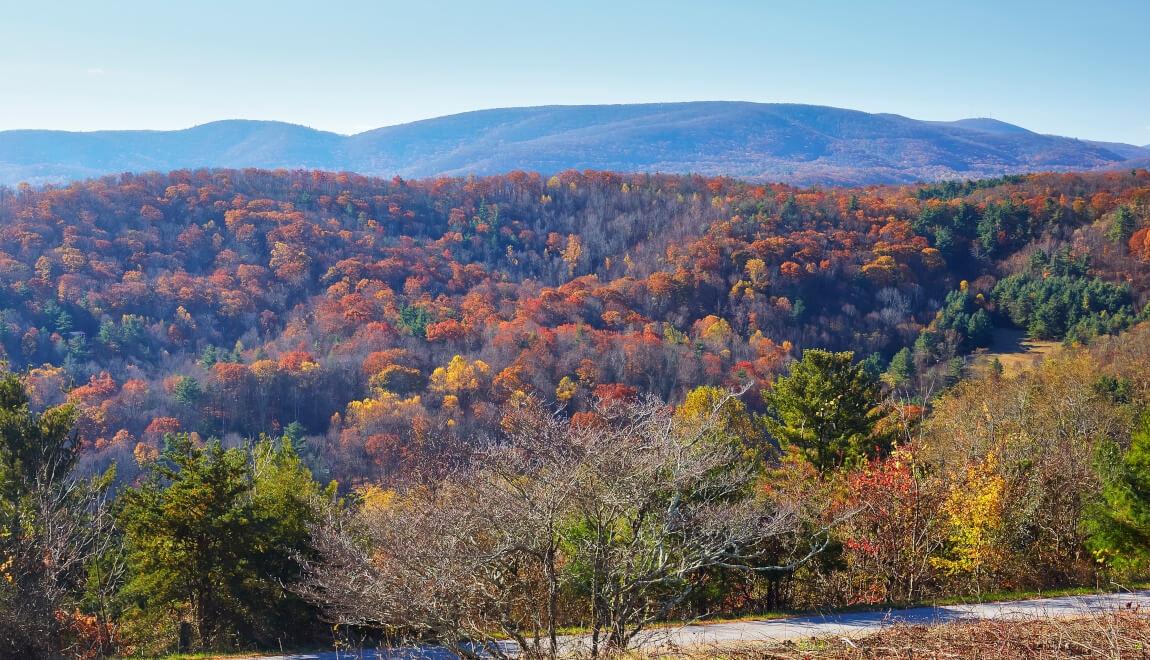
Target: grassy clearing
[1014, 351]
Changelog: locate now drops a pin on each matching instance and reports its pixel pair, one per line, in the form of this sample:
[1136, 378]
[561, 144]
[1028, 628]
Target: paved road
[829, 625]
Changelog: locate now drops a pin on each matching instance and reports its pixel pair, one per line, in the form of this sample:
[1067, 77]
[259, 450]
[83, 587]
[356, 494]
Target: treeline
[374, 318]
[607, 521]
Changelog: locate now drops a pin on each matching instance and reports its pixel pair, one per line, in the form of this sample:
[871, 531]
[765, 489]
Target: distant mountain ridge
[780, 142]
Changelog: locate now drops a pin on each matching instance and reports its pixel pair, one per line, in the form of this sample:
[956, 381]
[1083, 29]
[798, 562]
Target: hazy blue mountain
[784, 142]
[1127, 151]
[986, 125]
[41, 156]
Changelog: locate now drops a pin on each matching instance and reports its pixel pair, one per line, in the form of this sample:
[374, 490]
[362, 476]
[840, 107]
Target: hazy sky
[1072, 68]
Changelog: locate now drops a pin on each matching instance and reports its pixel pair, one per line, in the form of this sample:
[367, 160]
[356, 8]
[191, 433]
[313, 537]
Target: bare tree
[662, 500]
[53, 527]
[468, 560]
[605, 522]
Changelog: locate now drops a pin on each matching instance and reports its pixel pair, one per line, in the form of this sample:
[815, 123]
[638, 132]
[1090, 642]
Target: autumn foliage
[382, 313]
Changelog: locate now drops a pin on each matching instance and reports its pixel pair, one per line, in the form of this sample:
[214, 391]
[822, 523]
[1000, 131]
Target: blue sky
[1072, 68]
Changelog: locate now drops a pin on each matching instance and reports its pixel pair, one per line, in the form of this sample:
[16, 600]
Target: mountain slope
[785, 142]
[59, 155]
[987, 125]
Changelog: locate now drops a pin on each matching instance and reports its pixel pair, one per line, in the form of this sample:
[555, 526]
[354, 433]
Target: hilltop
[801, 144]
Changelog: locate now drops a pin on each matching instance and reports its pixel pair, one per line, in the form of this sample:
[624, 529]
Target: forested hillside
[376, 318]
[249, 409]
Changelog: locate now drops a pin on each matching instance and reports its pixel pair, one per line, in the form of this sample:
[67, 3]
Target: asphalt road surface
[804, 627]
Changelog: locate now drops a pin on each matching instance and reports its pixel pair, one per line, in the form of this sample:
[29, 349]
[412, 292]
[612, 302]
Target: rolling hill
[784, 142]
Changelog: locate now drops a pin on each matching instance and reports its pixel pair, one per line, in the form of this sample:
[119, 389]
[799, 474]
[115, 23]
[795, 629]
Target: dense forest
[371, 317]
[789, 366]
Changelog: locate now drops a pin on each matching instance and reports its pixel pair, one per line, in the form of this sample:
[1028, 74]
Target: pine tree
[1121, 225]
[1118, 525]
[286, 502]
[217, 533]
[189, 532]
[901, 368]
[826, 409]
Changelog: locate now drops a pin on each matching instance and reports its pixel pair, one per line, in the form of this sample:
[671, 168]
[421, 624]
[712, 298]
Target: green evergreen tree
[209, 357]
[215, 534]
[1121, 225]
[961, 314]
[187, 391]
[901, 368]
[294, 435]
[874, 365]
[1118, 525]
[190, 534]
[286, 501]
[826, 409]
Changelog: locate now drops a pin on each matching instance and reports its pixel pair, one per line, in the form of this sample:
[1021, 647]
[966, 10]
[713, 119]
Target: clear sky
[1071, 68]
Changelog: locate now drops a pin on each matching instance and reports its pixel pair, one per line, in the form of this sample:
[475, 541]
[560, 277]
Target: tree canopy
[826, 408]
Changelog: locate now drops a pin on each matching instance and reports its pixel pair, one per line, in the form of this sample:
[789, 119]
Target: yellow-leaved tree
[725, 417]
[972, 515]
[460, 378]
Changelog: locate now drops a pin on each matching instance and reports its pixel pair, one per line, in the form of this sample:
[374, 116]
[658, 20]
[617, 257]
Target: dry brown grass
[1121, 634]
[1016, 363]
[1014, 351]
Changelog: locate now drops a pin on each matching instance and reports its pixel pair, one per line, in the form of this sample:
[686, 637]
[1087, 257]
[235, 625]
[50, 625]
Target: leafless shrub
[601, 522]
[53, 535]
